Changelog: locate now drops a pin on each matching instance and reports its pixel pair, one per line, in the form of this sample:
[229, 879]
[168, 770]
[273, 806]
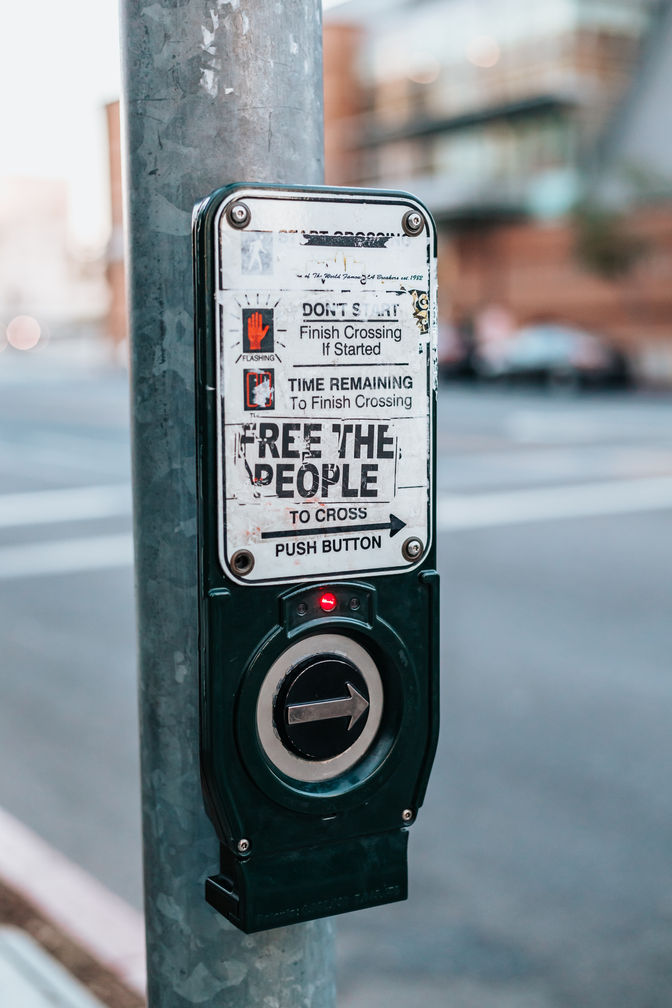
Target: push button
[320, 707]
[323, 706]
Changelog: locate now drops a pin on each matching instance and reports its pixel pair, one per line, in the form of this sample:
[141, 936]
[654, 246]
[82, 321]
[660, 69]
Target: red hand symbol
[255, 330]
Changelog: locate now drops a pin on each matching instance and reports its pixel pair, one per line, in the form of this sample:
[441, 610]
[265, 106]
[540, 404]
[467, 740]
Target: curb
[101, 922]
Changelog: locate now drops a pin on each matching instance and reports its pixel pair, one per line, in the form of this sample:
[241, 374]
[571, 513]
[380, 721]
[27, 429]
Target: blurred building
[42, 277]
[530, 130]
[344, 100]
[116, 321]
[488, 106]
[501, 115]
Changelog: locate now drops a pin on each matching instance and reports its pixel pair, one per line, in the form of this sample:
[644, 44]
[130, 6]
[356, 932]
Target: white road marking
[63, 505]
[577, 426]
[59, 455]
[66, 556]
[515, 507]
[454, 512]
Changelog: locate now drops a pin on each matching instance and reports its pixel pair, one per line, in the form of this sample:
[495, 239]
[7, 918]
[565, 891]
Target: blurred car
[556, 355]
[457, 350]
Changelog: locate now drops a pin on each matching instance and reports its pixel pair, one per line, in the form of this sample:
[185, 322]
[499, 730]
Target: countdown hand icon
[256, 330]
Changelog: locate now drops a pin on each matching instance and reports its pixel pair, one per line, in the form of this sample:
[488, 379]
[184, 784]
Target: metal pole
[216, 91]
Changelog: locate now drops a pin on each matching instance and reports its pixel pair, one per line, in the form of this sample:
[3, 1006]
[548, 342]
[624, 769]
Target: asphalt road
[541, 864]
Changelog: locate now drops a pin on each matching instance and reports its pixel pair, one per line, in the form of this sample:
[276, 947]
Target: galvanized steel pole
[216, 91]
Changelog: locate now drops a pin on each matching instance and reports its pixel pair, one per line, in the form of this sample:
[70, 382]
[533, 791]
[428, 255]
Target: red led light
[328, 602]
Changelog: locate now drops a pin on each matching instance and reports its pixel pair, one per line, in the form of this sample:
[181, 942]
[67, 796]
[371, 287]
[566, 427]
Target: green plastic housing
[312, 849]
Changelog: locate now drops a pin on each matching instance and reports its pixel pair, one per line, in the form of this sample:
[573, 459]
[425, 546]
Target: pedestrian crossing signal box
[316, 393]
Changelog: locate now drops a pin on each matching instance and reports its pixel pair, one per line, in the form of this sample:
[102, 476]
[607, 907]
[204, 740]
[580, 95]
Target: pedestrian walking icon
[256, 250]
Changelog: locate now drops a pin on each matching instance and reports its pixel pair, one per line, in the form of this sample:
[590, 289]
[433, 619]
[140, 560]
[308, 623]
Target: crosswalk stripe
[515, 507]
[68, 504]
[66, 556]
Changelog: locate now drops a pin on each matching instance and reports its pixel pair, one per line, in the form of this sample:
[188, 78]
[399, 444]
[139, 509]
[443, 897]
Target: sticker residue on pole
[326, 365]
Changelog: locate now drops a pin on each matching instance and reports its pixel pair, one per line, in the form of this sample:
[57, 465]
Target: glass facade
[492, 96]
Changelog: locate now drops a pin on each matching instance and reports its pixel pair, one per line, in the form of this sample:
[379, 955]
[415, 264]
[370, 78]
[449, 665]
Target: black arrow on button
[394, 525]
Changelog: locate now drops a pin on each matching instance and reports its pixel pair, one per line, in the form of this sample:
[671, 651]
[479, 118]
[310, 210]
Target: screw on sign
[239, 215]
[412, 549]
[413, 223]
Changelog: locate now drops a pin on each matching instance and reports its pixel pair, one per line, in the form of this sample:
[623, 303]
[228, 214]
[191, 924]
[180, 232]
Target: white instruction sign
[326, 342]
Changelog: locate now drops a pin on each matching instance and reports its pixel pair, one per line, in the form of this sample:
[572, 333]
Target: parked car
[556, 355]
[457, 350]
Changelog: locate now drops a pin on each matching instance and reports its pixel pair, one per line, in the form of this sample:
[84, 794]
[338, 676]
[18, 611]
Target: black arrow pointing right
[394, 525]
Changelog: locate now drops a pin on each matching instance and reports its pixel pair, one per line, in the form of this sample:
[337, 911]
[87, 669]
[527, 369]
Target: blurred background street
[539, 868]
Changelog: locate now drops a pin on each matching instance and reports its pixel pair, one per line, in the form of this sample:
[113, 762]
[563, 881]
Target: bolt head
[412, 548]
[413, 222]
[242, 562]
[243, 846]
[239, 215]
[407, 815]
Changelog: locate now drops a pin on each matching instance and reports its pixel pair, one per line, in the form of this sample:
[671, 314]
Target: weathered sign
[326, 356]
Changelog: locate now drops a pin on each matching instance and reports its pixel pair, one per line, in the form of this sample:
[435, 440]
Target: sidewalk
[65, 940]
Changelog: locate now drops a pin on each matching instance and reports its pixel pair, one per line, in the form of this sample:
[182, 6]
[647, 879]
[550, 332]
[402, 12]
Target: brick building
[115, 322]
